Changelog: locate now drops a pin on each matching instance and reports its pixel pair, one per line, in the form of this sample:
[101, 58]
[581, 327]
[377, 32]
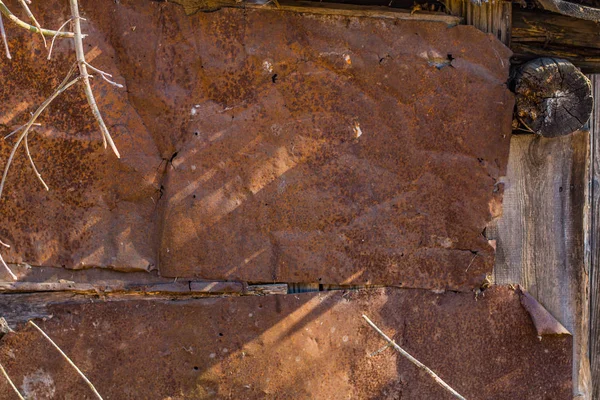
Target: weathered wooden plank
[536, 34]
[323, 8]
[260, 290]
[540, 237]
[593, 243]
[576, 9]
[492, 17]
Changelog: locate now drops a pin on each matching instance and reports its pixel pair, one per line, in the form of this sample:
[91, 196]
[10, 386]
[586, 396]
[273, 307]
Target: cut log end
[553, 97]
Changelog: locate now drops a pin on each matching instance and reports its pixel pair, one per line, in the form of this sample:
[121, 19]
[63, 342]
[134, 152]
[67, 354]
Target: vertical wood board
[592, 244]
[540, 236]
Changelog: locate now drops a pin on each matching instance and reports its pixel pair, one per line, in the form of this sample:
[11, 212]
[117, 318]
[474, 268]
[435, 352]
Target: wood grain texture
[492, 17]
[536, 34]
[312, 7]
[593, 244]
[553, 97]
[540, 237]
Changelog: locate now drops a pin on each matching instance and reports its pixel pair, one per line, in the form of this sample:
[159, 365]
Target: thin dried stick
[68, 359]
[78, 40]
[47, 32]
[414, 360]
[35, 170]
[4, 244]
[19, 128]
[54, 38]
[103, 75]
[3, 34]
[35, 21]
[470, 263]
[63, 86]
[12, 275]
[12, 385]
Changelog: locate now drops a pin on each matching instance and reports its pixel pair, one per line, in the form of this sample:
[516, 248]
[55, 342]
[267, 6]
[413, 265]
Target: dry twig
[84, 76]
[7, 268]
[62, 87]
[55, 36]
[46, 32]
[414, 360]
[78, 40]
[68, 360]
[34, 20]
[18, 129]
[12, 385]
[4, 39]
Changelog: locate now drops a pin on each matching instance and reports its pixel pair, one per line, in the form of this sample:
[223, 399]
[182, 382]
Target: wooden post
[541, 234]
[593, 243]
[553, 97]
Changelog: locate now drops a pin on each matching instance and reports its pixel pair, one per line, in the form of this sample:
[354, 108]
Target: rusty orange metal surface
[262, 145]
[305, 346]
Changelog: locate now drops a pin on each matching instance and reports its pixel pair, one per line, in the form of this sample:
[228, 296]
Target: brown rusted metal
[311, 345]
[333, 149]
[262, 145]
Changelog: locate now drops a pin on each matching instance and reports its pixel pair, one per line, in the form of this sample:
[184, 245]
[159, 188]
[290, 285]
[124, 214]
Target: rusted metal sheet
[99, 210]
[277, 146]
[332, 149]
[312, 345]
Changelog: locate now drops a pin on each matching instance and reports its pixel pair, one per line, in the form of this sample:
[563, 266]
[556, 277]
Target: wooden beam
[540, 236]
[593, 243]
[537, 34]
[311, 7]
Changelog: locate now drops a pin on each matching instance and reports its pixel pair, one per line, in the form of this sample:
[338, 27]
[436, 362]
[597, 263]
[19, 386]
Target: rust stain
[264, 146]
[304, 346]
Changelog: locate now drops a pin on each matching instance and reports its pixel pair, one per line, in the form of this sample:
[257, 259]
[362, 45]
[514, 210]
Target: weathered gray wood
[553, 97]
[541, 34]
[594, 240]
[571, 9]
[492, 16]
[540, 236]
[303, 287]
[18, 308]
[275, 288]
[310, 7]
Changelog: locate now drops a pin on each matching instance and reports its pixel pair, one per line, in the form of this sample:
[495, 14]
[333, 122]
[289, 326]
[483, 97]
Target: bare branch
[12, 385]
[39, 176]
[78, 40]
[63, 86]
[35, 21]
[97, 70]
[54, 38]
[3, 34]
[19, 128]
[68, 360]
[46, 32]
[414, 360]
[4, 244]
[104, 75]
[12, 275]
